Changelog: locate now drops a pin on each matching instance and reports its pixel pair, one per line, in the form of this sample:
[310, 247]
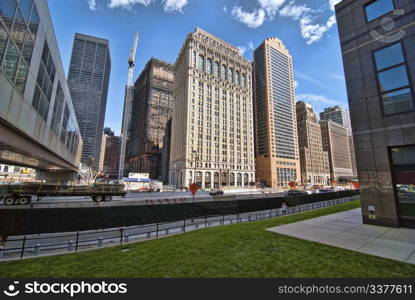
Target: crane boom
[127, 106]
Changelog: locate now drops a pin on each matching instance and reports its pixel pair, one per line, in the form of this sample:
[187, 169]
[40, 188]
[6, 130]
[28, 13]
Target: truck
[22, 194]
[136, 185]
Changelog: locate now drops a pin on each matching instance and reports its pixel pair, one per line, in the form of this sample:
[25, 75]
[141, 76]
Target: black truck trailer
[22, 194]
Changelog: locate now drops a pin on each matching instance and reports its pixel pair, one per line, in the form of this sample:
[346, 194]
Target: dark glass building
[378, 45]
[88, 79]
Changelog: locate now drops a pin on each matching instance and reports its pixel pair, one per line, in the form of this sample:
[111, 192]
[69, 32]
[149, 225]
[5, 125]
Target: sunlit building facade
[276, 146]
[212, 140]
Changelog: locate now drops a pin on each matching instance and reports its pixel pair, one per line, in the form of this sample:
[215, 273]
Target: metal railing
[52, 244]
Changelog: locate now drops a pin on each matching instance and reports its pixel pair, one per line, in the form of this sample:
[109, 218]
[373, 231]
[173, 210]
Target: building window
[243, 80]
[223, 72]
[403, 170]
[57, 110]
[19, 39]
[209, 66]
[201, 62]
[237, 78]
[8, 7]
[230, 75]
[393, 80]
[216, 69]
[378, 8]
[10, 62]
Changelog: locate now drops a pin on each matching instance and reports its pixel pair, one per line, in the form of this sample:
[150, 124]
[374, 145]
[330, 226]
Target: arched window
[216, 69]
[246, 179]
[209, 66]
[230, 76]
[201, 62]
[223, 72]
[237, 79]
[194, 59]
[224, 179]
[208, 180]
[243, 80]
[239, 178]
[216, 180]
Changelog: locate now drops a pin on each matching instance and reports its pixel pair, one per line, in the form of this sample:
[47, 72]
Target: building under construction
[151, 110]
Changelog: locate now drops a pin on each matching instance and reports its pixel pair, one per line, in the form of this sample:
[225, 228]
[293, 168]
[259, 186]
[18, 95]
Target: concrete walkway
[346, 230]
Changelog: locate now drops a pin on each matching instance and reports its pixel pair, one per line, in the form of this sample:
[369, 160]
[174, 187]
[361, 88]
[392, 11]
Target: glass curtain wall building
[378, 45]
[38, 123]
[88, 80]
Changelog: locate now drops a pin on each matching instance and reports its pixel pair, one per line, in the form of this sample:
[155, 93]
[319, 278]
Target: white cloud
[127, 4]
[294, 11]
[225, 9]
[171, 6]
[271, 6]
[244, 49]
[318, 101]
[333, 3]
[310, 31]
[251, 20]
[92, 4]
[296, 84]
[310, 79]
[315, 32]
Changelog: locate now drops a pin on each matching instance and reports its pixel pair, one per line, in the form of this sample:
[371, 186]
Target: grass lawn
[239, 250]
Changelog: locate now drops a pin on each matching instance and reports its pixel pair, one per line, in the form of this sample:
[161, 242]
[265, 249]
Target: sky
[307, 28]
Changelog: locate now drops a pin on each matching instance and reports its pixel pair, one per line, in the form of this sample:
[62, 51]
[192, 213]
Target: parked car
[216, 193]
[325, 191]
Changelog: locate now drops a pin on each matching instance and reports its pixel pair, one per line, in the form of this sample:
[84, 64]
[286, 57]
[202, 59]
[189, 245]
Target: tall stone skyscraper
[315, 168]
[151, 110]
[277, 157]
[336, 143]
[212, 140]
[88, 78]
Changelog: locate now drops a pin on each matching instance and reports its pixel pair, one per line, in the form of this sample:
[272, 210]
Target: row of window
[17, 38]
[393, 79]
[223, 71]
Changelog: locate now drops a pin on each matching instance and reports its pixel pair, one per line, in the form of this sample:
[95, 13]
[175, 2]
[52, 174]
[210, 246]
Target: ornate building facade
[212, 140]
[315, 168]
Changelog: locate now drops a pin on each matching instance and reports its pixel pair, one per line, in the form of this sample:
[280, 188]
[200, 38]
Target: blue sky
[307, 27]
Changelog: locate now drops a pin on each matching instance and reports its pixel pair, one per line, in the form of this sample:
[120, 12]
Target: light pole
[194, 154]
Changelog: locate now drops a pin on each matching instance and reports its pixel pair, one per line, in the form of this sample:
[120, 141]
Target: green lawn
[240, 250]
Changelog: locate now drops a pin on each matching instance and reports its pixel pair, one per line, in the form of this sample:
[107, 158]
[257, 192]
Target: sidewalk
[346, 230]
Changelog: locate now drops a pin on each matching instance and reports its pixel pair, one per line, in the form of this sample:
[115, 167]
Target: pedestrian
[284, 208]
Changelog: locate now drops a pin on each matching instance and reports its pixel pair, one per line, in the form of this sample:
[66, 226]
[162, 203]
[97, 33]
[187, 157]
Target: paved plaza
[346, 230]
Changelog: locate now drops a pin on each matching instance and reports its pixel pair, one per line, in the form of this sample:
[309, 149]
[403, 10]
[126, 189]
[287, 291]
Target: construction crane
[129, 92]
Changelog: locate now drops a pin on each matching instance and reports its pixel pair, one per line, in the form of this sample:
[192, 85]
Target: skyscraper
[212, 127]
[152, 107]
[377, 42]
[337, 115]
[336, 143]
[277, 157]
[315, 168]
[88, 80]
[112, 154]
